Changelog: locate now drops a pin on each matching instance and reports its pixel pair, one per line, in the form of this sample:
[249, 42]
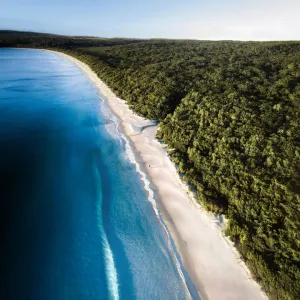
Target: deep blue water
[76, 221]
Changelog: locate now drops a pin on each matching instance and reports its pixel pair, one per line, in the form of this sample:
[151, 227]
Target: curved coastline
[209, 258]
[190, 291]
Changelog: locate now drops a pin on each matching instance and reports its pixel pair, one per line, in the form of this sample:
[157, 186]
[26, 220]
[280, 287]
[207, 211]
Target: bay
[76, 220]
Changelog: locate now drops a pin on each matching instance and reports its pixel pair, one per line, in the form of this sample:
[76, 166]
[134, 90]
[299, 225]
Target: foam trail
[146, 182]
[110, 268]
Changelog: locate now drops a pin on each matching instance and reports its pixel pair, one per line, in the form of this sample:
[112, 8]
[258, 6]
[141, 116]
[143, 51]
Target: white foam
[110, 268]
[111, 272]
[146, 183]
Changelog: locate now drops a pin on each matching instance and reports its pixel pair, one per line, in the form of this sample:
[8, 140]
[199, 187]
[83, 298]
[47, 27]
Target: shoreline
[208, 257]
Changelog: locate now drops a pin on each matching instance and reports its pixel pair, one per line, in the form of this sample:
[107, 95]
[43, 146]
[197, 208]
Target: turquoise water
[76, 219]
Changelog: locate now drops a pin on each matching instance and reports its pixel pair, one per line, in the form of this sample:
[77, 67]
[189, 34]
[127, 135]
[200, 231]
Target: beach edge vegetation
[230, 112]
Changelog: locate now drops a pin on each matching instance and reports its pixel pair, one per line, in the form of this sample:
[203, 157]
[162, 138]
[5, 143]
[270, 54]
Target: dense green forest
[231, 111]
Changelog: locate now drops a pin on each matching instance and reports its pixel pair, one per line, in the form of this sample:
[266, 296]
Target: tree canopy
[231, 112]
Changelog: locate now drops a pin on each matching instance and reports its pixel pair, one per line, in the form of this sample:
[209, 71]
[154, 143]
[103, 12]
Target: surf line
[146, 182]
[110, 268]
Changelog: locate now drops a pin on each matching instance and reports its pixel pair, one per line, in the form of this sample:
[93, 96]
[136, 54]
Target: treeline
[43, 40]
[231, 111]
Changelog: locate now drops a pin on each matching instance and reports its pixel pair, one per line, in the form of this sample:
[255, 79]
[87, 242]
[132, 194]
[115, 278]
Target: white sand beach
[210, 259]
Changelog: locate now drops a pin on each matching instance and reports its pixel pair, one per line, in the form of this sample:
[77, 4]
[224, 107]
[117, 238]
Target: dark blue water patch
[76, 222]
[52, 246]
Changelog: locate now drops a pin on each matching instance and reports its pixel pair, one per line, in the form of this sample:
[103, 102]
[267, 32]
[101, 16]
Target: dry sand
[210, 259]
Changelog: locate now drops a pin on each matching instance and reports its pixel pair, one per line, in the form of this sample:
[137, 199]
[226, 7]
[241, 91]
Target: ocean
[78, 217]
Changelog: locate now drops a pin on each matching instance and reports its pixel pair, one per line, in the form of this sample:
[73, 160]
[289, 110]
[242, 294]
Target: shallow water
[76, 219]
